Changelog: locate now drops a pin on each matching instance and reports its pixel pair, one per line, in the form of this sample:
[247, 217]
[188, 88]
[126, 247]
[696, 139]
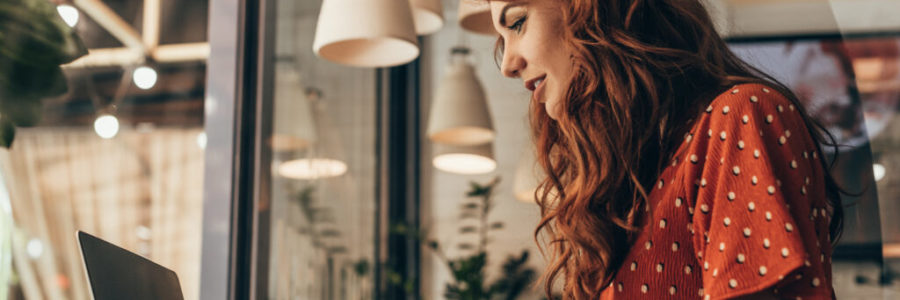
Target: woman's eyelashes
[517, 25]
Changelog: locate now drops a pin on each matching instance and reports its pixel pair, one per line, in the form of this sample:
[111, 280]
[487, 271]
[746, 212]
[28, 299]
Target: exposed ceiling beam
[109, 20]
[106, 57]
[151, 23]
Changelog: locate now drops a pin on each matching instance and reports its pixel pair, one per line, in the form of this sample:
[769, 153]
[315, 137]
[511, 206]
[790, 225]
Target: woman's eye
[517, 25]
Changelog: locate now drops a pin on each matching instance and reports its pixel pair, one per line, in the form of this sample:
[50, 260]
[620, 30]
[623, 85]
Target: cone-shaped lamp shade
[312, 168]
[475, 16]
[294, 129]
[366, 33]
[459, 114]
[465, 160]
[428, 15]
[527, 177]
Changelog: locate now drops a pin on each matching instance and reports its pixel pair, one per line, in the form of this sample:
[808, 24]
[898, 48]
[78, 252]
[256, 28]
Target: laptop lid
[116, 273]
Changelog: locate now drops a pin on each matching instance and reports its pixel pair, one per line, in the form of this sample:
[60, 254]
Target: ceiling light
[68, 13]
[106, 126]
[459, 114]
[466, 160]
[312, 168]
[428, 16]
[880, 171]
[366, 33]
[144, 77]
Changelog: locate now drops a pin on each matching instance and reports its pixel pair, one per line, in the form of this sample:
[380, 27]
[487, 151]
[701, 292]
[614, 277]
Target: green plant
[469, 280]
[34, 42]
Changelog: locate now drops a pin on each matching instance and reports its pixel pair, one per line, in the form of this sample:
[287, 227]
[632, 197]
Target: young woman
[675, 170]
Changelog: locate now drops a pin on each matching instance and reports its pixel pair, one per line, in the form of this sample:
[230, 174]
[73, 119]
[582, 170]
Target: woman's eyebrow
[506, 7]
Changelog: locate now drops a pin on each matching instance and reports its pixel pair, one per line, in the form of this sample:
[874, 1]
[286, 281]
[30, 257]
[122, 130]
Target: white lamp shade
[466, 160]
[475, 16]
[366, 33]
[527, 177]
[312, 168]
[294, 128]
[459, 114]
[428, 15]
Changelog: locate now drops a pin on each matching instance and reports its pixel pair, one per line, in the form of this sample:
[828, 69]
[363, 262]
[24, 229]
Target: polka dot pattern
[755, 178]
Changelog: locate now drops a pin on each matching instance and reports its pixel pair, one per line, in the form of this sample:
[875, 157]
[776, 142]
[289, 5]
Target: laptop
[116, 273]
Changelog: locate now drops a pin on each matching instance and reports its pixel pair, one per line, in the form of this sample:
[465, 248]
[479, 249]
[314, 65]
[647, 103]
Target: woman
[675, 170]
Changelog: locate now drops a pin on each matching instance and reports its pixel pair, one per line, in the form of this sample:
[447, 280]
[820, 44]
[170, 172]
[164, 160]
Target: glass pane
[323, 168]
[120, 155]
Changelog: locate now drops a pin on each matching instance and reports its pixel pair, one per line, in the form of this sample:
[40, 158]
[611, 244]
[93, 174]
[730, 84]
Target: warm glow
[312, 168]
[106, 126]
[201, 140]
[880, 171]
[462, 163]
[144, 77]
[68, 13]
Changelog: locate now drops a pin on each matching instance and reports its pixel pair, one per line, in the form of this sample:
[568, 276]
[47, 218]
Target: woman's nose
[512, 64]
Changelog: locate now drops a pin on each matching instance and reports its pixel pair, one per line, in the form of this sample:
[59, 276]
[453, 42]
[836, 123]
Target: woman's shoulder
[752, 97]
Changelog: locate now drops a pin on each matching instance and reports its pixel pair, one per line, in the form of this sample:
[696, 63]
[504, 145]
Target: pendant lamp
[466, 160]
[527, 177]
[366, 33]
[428, 16]
[475, 16]
[322, 160]
[293, 128]
[459, 114]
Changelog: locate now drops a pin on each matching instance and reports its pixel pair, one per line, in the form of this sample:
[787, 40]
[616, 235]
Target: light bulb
[879, 170]
[464, 163]
[144, 77]
[313, 168]
[201, 140]
[68, 13]
[34, 248]
[106, 126]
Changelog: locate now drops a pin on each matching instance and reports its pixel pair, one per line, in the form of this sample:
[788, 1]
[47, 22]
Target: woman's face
[534, 49]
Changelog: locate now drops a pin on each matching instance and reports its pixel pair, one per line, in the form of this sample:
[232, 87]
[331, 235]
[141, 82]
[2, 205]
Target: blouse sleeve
[749, 154]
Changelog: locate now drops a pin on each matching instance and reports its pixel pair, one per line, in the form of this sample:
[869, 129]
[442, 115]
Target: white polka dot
[709, 133]
[814, 154]
[782, 140]
[763, 270]
[791, 107]
[740, 144]
[780, 108]
[768, 216]
[769, 119]
[766, 243]
[672, 290]
[806, 180]
[725, 110]
[689, 137]
[756, 153]
[727, 221]
[662, 223]
[690, 210]
[815, 282]
[788, 227]
[822, 257]
[707, 297]
[778, 182]
[645, 288]
[687, 269]
[659, 268]
[784, 252]
[731, 196]
[736, 170]
[771, 190]
[765, 90]
[709, 109]
[703, 182]
[751, 206]
[660, 184]
[715, 272]
[732, 283]
[754, 180]
[648, 244]
[704, 208]
[721, 247]
[807, 263]
[803, 190]
[745, 119]
[621, 287]
[674, 246]
[760, 132]
[677, 202]
[706, 265]
[787, 133]
[722, 160]
[694, 158]
[633, 266]
[735, 91]
[747, 231]
[722, 135]
[793, 164]
[753, 99]
[741, 258]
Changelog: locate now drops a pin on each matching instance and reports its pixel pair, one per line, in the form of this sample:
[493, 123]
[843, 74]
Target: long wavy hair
[645, 70]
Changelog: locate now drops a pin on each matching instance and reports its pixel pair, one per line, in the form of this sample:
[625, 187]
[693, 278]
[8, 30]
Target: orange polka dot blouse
[740, 209]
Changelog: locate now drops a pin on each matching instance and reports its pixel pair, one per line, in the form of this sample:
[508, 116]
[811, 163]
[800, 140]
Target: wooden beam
[181, 52]
[151, 23]
[172, 53]
[112, 22]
